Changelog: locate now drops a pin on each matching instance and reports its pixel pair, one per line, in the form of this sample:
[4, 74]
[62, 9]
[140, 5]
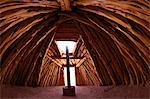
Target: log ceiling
[113, 41]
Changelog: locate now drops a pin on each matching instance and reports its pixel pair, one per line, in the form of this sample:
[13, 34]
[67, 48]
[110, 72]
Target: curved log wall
[86, 73]
[115, 32]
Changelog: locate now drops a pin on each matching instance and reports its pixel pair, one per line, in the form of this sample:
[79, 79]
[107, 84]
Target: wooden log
[65, 5]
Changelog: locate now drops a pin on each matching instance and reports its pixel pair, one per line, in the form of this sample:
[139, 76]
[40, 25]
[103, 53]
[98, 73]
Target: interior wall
[86, 73]
[116, 34]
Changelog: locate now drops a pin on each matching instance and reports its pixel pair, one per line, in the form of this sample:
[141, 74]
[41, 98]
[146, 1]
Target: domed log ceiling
[115, 32]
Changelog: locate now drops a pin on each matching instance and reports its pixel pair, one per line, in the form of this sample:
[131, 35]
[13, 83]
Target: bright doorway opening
[72, 76]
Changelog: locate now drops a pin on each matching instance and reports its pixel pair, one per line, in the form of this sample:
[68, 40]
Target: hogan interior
[111, 58]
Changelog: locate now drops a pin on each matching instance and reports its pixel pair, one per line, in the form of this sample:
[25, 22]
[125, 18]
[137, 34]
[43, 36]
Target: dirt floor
[82, 92]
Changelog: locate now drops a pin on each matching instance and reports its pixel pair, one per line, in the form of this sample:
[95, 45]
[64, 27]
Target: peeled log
[65, 5]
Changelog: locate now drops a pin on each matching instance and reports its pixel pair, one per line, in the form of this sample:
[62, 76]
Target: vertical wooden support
[68, 68]
[69, 90]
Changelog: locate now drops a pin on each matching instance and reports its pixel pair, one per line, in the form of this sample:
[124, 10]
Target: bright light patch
[72, 76]
[62, 46]
[62, 49]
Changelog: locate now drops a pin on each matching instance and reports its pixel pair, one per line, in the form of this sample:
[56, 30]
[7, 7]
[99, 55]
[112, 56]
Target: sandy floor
[82, 92]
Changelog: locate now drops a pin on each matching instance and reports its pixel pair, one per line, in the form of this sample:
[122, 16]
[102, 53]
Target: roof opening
[62, 46]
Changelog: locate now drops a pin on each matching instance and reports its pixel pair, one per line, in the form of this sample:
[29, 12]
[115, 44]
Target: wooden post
[68, 68]
[69, 90]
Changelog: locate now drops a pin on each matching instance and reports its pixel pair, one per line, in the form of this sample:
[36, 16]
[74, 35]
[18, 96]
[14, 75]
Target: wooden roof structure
[113, 40]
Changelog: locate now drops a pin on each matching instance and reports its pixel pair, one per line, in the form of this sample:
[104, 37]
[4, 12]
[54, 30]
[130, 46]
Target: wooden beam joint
[65, 5]
[73, 65]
